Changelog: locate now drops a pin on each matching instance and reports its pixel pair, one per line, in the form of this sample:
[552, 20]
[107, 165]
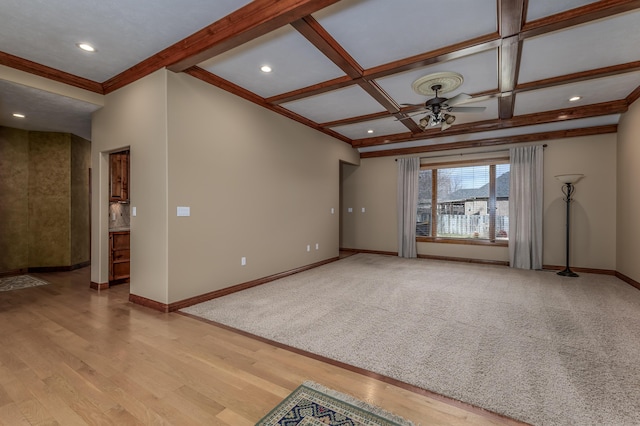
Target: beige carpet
[531, 345]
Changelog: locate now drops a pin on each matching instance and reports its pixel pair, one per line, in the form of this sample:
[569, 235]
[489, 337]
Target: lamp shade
[570, 178]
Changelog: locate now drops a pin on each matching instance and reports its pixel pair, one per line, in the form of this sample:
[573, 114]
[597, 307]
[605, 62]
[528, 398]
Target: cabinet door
[115, 190]
[121, 241]
[119, 180]
[124, 181]
[119, 255]
[120, 270]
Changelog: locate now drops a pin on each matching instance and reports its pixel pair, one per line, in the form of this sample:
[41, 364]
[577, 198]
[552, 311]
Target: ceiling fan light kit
[444, 121]
[438, 108]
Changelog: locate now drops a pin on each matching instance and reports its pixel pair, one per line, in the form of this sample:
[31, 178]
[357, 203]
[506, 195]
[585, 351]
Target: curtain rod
[469, 153]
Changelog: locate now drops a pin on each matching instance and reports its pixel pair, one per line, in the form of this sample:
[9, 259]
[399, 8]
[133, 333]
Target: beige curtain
[525, 207]
[407, 203]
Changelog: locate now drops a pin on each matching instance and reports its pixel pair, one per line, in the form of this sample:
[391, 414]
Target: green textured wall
[49, 199]
[14, 178]
[44, 214]
[80, 202]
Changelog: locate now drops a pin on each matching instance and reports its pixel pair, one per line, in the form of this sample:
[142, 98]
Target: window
[464, 202]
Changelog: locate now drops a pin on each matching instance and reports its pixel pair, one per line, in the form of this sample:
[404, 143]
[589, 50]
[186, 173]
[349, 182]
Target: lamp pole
[567, 190]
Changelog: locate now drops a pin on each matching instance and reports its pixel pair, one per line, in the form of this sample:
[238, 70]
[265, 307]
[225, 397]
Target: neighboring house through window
[464, 202]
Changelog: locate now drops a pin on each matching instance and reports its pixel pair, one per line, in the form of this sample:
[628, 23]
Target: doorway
[119, 217]
[345, 199]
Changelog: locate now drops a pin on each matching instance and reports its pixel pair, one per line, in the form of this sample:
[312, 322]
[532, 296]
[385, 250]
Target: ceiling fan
[439, 109]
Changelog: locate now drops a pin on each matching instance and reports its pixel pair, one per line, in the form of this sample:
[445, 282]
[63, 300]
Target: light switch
[243, 261]
[184, 211]
[332, 210]
[133, 211]
[363, 210]
[350, 210]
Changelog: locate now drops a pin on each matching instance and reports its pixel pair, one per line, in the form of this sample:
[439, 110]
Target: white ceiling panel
[375, 32]
[480, 73]
[591, 92]
[44, 111]
[490, 113]
[512, 131]
[542, 8]
[381, 127]
[293, 59]
[584, 47]
[124, 32]
[344, 103]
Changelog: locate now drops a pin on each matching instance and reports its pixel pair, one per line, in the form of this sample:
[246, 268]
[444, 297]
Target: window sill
[465, 241]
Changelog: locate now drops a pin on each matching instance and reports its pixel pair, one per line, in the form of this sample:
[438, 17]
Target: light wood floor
[71, 355]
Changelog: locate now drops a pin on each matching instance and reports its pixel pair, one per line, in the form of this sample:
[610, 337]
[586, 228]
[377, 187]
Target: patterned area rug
[20, 281]
[315, 405]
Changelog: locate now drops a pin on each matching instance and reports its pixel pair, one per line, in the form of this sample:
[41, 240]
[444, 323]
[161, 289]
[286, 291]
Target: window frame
[491, 202]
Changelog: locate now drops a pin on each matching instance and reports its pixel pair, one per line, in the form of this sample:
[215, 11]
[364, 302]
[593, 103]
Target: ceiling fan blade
[458, 99]
[413, 114]
[468, 109]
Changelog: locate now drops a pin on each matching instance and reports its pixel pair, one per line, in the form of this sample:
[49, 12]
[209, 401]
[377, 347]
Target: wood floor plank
[74, 356]
[8, 359]
[201, 414]
[120, 416]
[169, 413]
[136, 399]
[5, 398]
[199, 400]
[37, 390]
[76, 400]
[35, 412]
[11, 415]
[232, 418]
[13, 388]
[142, 413]
[56, 406]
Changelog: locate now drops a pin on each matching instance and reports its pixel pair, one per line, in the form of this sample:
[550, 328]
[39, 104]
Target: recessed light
[265, 68]
[575, 98]
[18, 115]
[86, 47]
[370, 131]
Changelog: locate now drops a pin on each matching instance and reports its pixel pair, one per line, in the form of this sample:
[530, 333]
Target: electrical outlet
[350, 210]
[113, 217]
[363, 210]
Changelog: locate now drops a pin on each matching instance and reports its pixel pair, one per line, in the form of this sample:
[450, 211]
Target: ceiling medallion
[447, 80]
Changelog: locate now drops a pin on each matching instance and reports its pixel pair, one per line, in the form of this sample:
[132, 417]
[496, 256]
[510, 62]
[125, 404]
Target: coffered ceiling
[342, 67]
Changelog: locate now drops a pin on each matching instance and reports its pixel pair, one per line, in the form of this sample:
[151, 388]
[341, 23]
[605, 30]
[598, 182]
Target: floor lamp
[568, 188]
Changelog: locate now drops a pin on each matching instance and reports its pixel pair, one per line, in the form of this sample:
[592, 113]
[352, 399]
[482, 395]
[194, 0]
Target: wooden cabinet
[119, 181]
[119, 256]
